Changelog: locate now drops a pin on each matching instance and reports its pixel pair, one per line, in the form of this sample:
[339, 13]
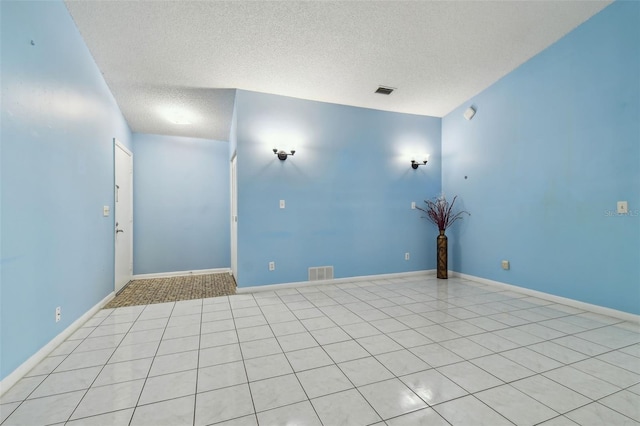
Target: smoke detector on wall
[469, 113]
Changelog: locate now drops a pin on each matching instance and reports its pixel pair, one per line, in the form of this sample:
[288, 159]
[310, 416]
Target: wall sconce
[282, 155]
[415, 164]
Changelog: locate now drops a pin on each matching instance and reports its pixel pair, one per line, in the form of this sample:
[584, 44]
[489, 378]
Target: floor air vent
[321, 273]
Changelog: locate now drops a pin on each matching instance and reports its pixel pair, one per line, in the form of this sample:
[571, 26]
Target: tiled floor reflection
[413, 351]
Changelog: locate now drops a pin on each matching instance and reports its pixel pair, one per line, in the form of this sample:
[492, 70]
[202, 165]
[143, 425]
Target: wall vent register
[318, 273]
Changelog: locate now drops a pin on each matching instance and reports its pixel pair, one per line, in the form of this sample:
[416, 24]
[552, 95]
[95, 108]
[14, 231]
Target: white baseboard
[181, 273]
[273, 287]
[26, 366]
[626, 316]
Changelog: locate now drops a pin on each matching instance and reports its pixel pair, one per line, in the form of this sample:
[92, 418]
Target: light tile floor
[397, 352]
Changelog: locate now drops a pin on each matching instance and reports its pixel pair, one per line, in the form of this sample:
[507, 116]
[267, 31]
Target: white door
[123, 216]
[234, 219]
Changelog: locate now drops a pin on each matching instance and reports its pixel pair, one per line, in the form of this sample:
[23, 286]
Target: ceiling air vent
[384, 90]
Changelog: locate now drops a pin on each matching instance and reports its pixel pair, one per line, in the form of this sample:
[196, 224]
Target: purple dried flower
[440, 212]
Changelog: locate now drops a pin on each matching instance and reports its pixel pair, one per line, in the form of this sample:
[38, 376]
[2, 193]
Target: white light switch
[622, 207]
[282, 204]
[105, 211]
[413, 205]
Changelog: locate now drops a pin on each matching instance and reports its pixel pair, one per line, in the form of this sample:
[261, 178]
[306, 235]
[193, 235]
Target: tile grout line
[467, 360]
[49, 373]
[396, 377]
[290, 365]
[384, 334]
[617, 392]
[353, 384]
[246, 373]
[195, 395]
[334, 293]
[152, 362]
[112, 314]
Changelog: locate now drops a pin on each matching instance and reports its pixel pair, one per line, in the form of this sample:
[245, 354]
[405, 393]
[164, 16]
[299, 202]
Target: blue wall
[58, 122]
[181, 204]
[554, 145]
[348, 189]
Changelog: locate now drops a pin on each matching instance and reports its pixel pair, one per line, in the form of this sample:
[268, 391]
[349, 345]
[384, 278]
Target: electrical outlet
[406, 256]
[272, 266]
[413, 205]
[58, 313]
[623, 207]
[282, 204]
[505, 265]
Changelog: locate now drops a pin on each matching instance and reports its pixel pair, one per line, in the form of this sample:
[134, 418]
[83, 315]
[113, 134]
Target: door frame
[233, 171]
[118, 145]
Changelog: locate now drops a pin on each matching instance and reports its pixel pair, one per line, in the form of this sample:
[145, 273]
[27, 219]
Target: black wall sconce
[282, 155]
[415, 164]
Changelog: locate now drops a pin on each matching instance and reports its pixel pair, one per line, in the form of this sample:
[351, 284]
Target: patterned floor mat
[161, 290]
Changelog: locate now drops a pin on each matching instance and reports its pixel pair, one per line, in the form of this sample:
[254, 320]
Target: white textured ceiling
[160, 56]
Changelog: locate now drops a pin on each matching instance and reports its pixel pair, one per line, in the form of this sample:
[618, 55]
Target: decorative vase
[442, 255]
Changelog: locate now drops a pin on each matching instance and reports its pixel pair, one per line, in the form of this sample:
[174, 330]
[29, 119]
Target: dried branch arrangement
[440, 212]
